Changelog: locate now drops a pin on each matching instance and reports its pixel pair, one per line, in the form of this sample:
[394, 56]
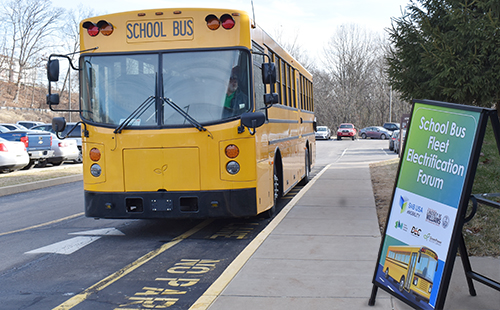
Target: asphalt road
[54, 258]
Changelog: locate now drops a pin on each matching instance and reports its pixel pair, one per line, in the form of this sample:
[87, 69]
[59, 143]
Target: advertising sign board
[430, 197]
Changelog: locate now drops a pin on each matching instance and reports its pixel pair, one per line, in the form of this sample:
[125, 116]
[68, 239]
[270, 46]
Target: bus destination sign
[159, 30]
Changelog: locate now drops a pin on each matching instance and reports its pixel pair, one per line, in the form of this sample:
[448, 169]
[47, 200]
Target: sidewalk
[320, 252]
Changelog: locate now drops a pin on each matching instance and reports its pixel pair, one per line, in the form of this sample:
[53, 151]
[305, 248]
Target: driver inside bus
[235, 100]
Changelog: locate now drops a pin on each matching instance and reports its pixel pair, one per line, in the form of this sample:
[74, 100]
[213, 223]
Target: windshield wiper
[188, 117]
[137, 113]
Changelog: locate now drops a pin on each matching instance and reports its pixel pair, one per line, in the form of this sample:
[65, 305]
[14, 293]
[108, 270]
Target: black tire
[307, 176]
[401, 285]
[57, 163]
[339, 138]
[30, 165]
[383, 137]
[276, 195]
[363, 136]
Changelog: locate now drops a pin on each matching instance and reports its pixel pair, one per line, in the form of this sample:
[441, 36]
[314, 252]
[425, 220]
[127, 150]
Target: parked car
[64, 150]
[391, 126]
[76, 134]
[29, 124]
[375, 132]
[37, 143]
[346, 130]
[323, 132]
[396, 140]
[13, 155]
[14, 126]
[391, 140]
[3, 129]
[400, 139]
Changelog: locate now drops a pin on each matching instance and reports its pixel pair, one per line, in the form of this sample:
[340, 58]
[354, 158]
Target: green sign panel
[426, 210]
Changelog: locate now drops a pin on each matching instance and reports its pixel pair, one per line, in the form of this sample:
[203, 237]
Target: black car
[391, 126]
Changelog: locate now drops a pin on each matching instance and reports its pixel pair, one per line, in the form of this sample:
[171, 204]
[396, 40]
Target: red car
[346, 130]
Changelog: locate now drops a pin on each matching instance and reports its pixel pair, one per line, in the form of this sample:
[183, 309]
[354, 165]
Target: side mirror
[271, 98]
[58, 124]
[252, 120]
[53, 99]
[53, 70]
[269, 73]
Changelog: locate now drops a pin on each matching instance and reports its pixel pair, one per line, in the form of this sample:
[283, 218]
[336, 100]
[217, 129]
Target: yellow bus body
[146, 166]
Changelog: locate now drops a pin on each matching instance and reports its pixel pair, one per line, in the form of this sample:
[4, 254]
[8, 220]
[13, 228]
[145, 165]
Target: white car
[13, 155]
[64, 150]
[323, 132]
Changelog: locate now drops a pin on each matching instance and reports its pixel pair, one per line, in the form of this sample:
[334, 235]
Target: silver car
[323, 132]
[13, 155]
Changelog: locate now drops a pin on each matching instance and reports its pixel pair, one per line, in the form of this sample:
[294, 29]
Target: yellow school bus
[188, 113]
[413, 267]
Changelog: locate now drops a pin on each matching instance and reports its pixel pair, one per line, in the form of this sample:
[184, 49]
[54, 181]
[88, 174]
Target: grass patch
[482, 233]
[38, 174]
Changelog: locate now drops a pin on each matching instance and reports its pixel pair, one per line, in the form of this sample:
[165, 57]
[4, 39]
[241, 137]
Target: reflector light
[92, 29]
[3, 148]
[227, 21]
[213, 22]
[105, 27]
[232, 151]
[95, 154]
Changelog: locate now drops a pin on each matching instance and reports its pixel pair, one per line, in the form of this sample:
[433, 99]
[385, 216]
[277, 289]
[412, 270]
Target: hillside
[31, 105]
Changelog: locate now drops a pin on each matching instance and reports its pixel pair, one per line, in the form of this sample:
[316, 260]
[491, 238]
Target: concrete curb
[26, 187]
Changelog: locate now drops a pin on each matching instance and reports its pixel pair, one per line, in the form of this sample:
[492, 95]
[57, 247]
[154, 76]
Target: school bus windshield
[426, 267]
[209, 86]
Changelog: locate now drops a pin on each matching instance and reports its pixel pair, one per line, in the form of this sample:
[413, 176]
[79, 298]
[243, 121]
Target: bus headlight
[95, 170]
[233, 167]
[415, 281]
[430, 288]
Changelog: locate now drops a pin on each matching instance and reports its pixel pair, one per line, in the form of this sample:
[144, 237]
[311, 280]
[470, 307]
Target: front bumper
[173, 205]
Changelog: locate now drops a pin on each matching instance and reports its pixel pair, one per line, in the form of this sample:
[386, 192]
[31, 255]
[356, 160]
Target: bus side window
[259, 88]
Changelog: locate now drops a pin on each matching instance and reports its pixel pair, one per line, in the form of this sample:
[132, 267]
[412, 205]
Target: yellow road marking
[77, 299]
[220, 284]
[42, 225]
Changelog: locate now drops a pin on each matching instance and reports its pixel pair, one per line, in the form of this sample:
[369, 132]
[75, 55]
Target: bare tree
[32, 22]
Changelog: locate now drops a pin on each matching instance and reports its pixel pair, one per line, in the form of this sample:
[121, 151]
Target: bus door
[411, 270]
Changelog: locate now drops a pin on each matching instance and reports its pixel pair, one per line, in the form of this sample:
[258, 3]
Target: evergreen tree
[447, 50]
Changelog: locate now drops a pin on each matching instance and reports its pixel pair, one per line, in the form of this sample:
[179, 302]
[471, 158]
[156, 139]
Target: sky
[310, 22]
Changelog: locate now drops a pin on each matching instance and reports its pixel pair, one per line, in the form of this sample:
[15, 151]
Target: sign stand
[429, 203]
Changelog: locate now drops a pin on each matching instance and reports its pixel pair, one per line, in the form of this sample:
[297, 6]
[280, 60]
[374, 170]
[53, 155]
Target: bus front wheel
[402, 284]
[276, 193]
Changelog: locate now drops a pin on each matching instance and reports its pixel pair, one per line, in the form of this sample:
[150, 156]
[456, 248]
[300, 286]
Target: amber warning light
[226, 21]
[101, 27]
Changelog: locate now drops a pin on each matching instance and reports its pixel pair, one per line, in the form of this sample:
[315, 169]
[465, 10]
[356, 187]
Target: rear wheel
[382, 136]
[307, 175]
[29, 165]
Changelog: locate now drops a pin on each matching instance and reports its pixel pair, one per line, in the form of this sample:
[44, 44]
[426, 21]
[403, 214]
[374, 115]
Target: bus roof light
[213, 22]
[92, 29]
[227, 21]
[105, 27]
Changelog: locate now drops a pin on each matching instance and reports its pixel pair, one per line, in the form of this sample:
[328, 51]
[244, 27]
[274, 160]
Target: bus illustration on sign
[413, 267]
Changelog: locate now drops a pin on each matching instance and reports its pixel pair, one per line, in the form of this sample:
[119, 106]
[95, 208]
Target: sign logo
[446, 221]
[401, 225]
[416, 231]
[403, 203]
[433, 217]
[428, 237]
